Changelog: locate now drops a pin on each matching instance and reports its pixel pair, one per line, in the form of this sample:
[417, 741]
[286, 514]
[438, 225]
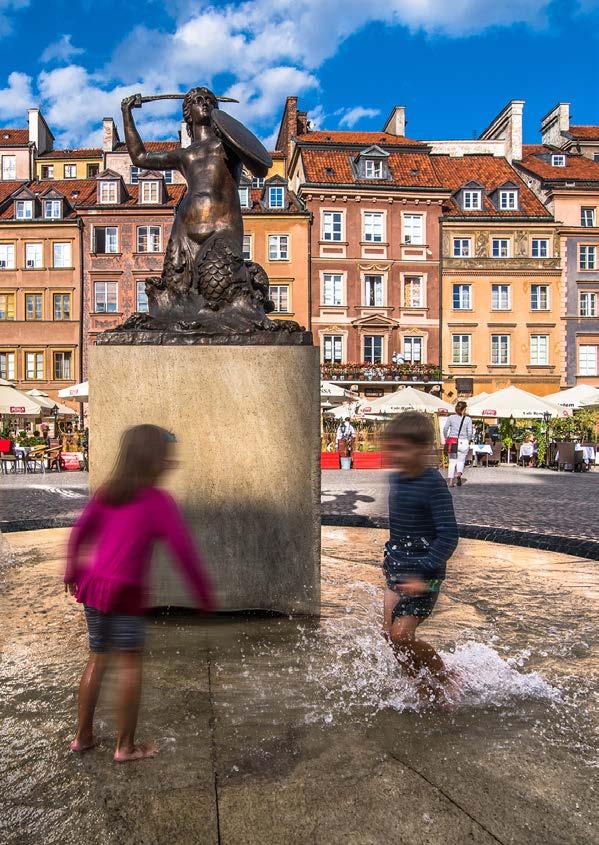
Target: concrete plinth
[247, 422]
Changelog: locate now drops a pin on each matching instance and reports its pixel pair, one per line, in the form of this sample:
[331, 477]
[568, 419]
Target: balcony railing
[380, 372]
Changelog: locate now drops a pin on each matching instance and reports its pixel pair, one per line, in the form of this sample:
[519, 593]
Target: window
[558, 160]
[413, 292]
[47, 171]
[588, 304]
[105, 240]
[105, 297]
[539, 350]
[148, 238]
[150, 192]
[108, 193]
[332, 289]
[34, 306]
[508, 200]
[332, 348]
[373, 169]
[7, 306]
[247, 248]
[500, 349]
[276, 197]
[257, 182]
[62, 255]
[500, 297]
[92, 170]
[540, 248]
[24, 210]
[70, 171]
[134, 173]
[7, 256]
[280, 296]
[33, 256]
[52, 209]
[461, 247]
[244, 197]
[373, 291]
[141, 301]
[413, 229]
[587, 217]
[500, 248]
[588, 257]
[7, 365]
[9, 167]
[34, 365]
[61, 306]
[168, 177]
[460, 348]
[332, 225]
[471, 201]
[373, 226]
[462, 297]
[62, 365]
[588, 359]
[595, 156]
[278, 247]
[373, 349]
[539, 298]
[412, 350]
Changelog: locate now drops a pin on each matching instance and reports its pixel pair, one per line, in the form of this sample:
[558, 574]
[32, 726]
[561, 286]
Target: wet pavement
[291, 731]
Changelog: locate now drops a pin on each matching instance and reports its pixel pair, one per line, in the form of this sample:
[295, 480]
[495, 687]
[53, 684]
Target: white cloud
[62, 50]
[6, 8]
[356, 114]
[16, 98]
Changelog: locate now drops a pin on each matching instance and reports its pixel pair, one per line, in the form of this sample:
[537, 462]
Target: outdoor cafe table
[480, 449]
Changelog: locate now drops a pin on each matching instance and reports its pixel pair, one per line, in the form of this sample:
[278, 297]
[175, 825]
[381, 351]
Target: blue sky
[452, 63]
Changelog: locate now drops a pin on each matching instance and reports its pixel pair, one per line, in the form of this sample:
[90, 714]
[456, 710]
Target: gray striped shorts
[114, 631]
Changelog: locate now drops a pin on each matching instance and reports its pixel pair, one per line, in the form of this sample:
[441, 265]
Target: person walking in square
[458, 432]
[423, 534]
[121, 524]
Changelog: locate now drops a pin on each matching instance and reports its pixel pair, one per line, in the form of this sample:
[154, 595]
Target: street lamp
[546, 418]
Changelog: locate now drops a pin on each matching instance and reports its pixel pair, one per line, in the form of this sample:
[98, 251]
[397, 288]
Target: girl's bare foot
[143, 751]
[79, 746]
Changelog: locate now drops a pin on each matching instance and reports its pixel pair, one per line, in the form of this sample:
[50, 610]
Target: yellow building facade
[69, 164]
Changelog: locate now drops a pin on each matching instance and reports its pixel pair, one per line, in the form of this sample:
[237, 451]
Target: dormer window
[472, 201]
[257, 182]
[244, 197]
[52, 209]
[508, 200]
[373, 169]
[150, 192]
[108, 193]
[276, 197]
[558, 160]
[24, 209]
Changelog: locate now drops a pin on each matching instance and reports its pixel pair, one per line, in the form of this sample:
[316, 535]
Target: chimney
[396, 122]
[507, 127]
[184, 135]
[287, 129]
[39, 133]
[554, 124]
[110, 135]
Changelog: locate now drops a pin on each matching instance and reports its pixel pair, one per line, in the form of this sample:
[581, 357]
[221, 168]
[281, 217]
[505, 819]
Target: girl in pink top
[122, 523]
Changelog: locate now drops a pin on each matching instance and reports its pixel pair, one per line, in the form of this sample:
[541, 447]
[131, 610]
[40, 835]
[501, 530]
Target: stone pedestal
[247, 422]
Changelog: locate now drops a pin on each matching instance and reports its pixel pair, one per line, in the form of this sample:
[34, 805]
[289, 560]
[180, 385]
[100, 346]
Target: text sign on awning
[16, 409]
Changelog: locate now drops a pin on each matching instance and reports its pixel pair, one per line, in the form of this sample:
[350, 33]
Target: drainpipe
[441, 300]
[81, 309]
[310, 222]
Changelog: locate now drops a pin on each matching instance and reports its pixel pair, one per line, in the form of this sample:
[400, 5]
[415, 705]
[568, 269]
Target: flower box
[330, 460]
[367, 460]
[5, 444]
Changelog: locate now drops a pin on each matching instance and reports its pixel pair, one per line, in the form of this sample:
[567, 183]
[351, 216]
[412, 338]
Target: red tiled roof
[14, 137]
[585, 132]
[359, 138]
[276, 155]
[491, 172]
[156, 146]
[578, 168]
[81, 152]
[333, 167]
[7, 189]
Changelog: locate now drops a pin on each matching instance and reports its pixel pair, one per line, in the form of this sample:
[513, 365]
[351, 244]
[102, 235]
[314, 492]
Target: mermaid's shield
[253, 154]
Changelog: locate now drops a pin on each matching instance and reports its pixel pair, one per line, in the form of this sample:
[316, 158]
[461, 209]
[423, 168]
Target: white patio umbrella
[348, 409]
[516, 403]
[48, 404]
[14, 403]
[575, 397]
[77, 392]
[405, 399]
[482, 395]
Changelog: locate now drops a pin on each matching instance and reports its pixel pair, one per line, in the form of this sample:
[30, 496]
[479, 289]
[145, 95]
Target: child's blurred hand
[413, 587]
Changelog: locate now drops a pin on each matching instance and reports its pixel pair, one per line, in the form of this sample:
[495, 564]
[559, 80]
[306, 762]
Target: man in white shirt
[345, 432]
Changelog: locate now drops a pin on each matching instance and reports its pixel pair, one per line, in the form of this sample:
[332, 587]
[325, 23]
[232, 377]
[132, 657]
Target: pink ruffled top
[115, 578]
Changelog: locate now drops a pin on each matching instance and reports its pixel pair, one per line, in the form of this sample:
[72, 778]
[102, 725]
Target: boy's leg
[89, 691]
[389, 601]
[419, 655]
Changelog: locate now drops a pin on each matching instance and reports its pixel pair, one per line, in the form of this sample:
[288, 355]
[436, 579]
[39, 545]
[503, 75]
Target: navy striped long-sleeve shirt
[422, 507]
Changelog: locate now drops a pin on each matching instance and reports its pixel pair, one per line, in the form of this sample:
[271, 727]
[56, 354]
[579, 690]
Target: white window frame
[37, 315]
[65, 356]
[462, 248]
[413, 234]
[472, 200]
[508, 200]
[534, 248]
[109, 194]
[588, 359]
[105, 299]
[590, 251]
[463, 287]
[72, 167]
[152, 235]
[332, 230]
[590, 297]
[141, 297]
[539, 296]
[373, 168]
[244, 196]
[276, 190]
[8, 372]
[539, 350]
[379, 290]
[9, 167]
[498, 292]
[52, 209]
[34, 252]
[275, 294]
[588, 213]
[62, 311]
[49, 168]
[333, 289]
[501, 349]
[7, 256]
[411, 343]
[134, 174]
[465, 348]
[62, 254]
[408, 279]
[257, 182]
[112, 239]
[372, 221]
[558, 160]
[500, 248]
[276, 250]
[381, 342]
[247, 253]
[39, 366]
[24, 210]
[336, 343]
[150, 192]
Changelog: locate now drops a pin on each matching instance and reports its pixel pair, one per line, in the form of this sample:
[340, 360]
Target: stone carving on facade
[446, 244]
[207, 292]
[481, 244]
[521, 244]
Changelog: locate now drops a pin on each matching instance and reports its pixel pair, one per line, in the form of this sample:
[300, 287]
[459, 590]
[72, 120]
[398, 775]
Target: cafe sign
[17, 409]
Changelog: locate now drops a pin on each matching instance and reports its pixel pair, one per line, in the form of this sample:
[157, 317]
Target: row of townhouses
[462, 265]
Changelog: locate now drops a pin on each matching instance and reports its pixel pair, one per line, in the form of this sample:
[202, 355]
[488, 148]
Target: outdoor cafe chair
[495, 457]
[566, 455]
[7, 459]
[54, 457]
[37, 455]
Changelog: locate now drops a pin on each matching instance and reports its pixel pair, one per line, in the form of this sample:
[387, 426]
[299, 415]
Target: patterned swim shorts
[114, 631]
